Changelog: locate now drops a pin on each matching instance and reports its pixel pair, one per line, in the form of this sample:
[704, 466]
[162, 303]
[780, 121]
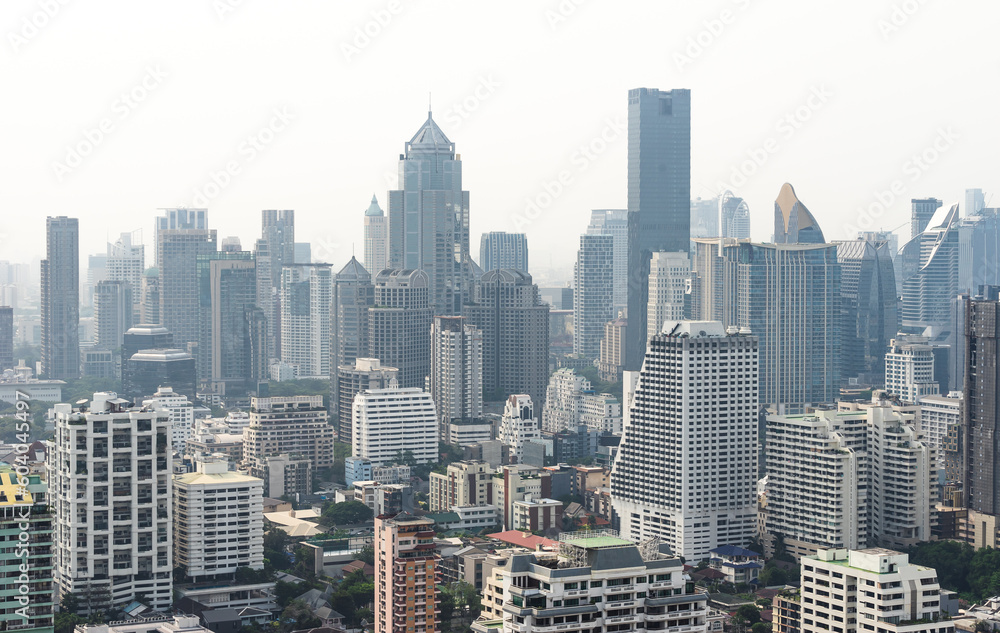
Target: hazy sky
[308, 105]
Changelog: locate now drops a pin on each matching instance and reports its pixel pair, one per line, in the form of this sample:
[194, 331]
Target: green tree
[298, 615]
[749, 612]
[761, 627]
[347, 513]
[772, 575]
[66, 622]
[367, 555]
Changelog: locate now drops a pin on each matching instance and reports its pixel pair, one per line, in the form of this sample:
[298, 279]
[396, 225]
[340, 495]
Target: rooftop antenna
[428, 104]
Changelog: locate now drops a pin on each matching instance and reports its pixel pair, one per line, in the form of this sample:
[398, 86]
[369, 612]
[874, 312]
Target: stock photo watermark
[365, 34]
[460, 111]
[20, 476]
[899, 17]
[562, 12]
[712, 29]
[34, 23]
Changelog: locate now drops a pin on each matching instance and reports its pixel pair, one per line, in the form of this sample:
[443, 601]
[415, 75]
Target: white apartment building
[875, 590]
[391, 422]
[938, 414]
[909, 368]
[669, 282]
[597, 582]
[518, 426]
[456, 377]
[570, 401]
[181, 412]
[306, 313]
[218, 521]
[464, 483]
[686, 468]
[109, 475]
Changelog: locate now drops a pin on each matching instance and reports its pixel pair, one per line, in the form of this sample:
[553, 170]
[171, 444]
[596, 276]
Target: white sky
[548, 87]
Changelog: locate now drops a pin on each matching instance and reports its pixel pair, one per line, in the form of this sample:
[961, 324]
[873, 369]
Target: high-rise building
[429, 218]
[97, 271]
[933, 258]
[734, 217]
[498, 249]
[456, 376]
[363, 374]
[180, 310]
[611, 362]
[659, 195]
[227, 288]
[868, 304]
[669, 285]
[273, 251]
[178, 219]
[406, 568]
[974, 201]
[704, 217]
[353, 294]
[306, 307]
[877, 587]
[519, 426]
[570, 402]
[149, 302]
[389, 423]
[940, 420]
[909, 368]
[922, 210]
[695, 402]
[113, 310]
[60, 305]
[218, 522]
[399, 324]
[109, 473]
[6, 337]
[181, 412]
[126, 262]
[146, 370]
[593, 293]
[376, 238]
[295, 425]
[515, 326]
[25, 509]
[981, 415]
[793, 223]
[613, 222]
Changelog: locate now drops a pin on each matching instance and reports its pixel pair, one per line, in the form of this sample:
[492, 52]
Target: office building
[981, 414]
[364, 374]
[109, 473]
[669, 285]
[515, 327]
[909, 368]
[498, 249]
[273, 251]
[6, 337]
[376, 238]
[390, 425]
[126, 262]
[306, 306]
[146, 370]
[25, 509]
[613, 222]
[218, 522]
[149, 302]
[456, 376]
[97, 271]
[679, 419]
[611, 362]
[399, 324]
[519, 426]
[353, 294]
[227, 288]
[873, 589]
[180, 309]
[659, 195]
[60, 299]
[464, 483]
[704, 217]
[181, 412]
[557, 298]
[429, 219]
[295, 425]
[406, 568]
[359, 469]
[734, 217]
[868, 304]
[113, 311]
[921, 212]
[593, 293]
[173, 219]
[793, 223]
[930, 264]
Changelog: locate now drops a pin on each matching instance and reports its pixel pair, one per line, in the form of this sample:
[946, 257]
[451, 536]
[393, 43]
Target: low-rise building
[464, 483]
[536, 515]
[738, 564]
[164, 624]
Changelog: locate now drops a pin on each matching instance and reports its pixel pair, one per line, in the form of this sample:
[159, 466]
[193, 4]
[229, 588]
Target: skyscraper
[921, 212]
[173, 219]
[6, 337]
[306, 306]
[429, 218]
[515, 326]
[793, 223]
[593, 293]
[974, 201]
[868, 304]
[614, 222]
[112, 312]
[227, 287]
[456, 376]
[406, 566]
[659, 195]
[734, 216]
[353, 294]
[927, 292]
[399, 324]
[669, 280]
[126, 262]
[274, 250]
[361, 375]
[177, 252]
[376, 238]
[25, 509]
[61, 299]
[498, 249]
[982, 406]
[149, 302]
[295, 425]
[909, 368]
[695, 402]
[704, 217]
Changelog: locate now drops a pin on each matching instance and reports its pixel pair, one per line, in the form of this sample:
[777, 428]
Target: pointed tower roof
[353, 271]
[373, 208]
[793, 223]
[429, 136]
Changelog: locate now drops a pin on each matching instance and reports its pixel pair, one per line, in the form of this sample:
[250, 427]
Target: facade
[921, 212]
[515, 327]
[284, 475]
[218, 522]
[6, 337]
[868, 304]
[570, 401]
[704, 217]
[25, 509]
[669, 283]
[659, 195]
[399, 324]
[405, 571]
[60, 299]
[613, 222]
[536, 515]
[273, 251]
[909, 369]
[113, 311]
[981, 416]
[593, 293]
[611, 363]
[456, 376]
[126, 262]
[109, 473]
[306, 307]
[146, 370]
[353, 294]
[931, 273]
[941, 419]
[464, 483]
[734, 217]
[880, 588]
[519, 426]
[429, 218]
[149, 308]
[181, 413]
[359, 469]
[389, 423]
[793, 223]
[177, 252]
[227, 291]
[376, 238]
[363, 374]
[295, 425]
[498, 249]
[658, 485]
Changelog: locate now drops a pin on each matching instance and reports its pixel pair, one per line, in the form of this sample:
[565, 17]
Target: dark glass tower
[981, 410]
[659, 196]
[61, 299]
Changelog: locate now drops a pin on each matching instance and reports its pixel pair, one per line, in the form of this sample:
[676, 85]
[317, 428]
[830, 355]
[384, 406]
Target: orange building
[405, 574]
